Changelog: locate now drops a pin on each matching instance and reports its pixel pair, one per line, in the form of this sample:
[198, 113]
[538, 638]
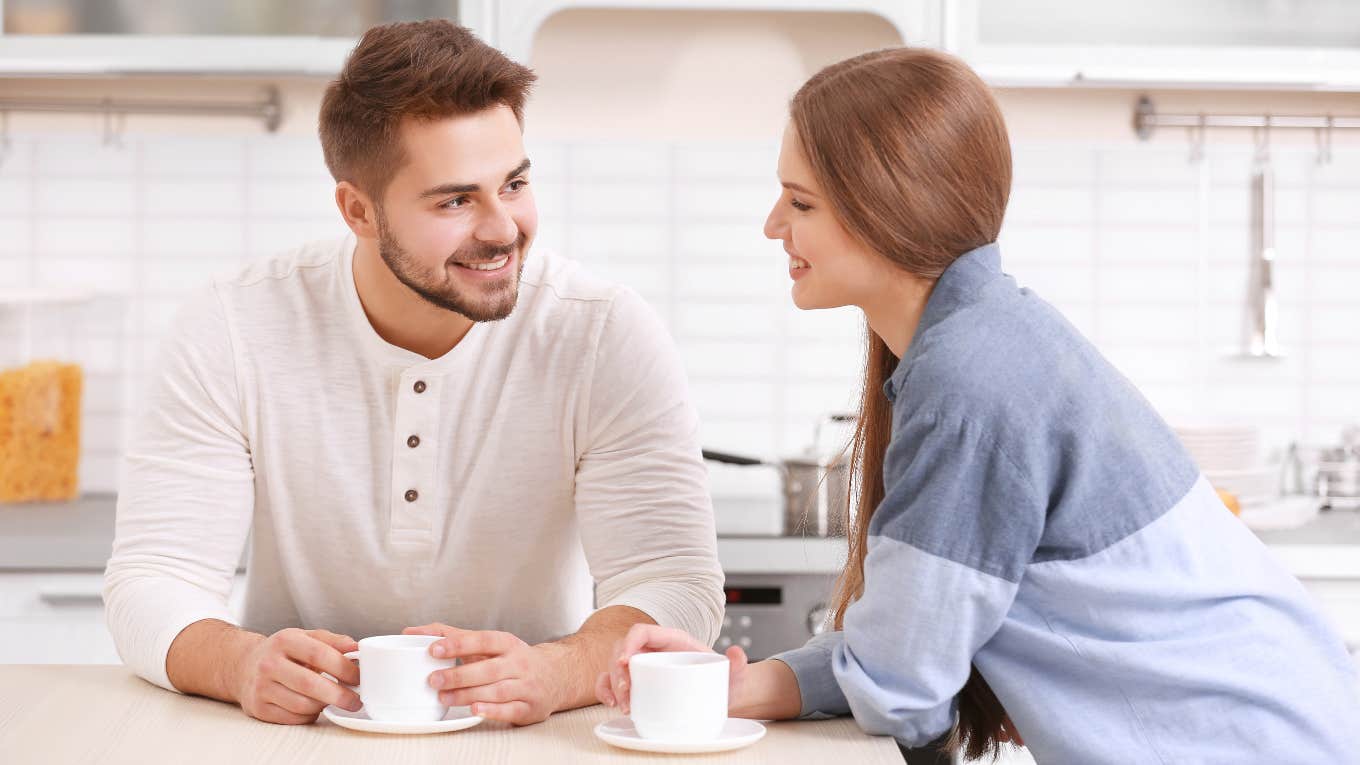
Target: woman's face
[829, 267]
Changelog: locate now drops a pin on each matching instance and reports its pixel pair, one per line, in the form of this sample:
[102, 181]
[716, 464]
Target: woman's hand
[612, 688]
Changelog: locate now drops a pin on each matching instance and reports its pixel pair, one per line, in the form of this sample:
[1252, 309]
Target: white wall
[661, 179]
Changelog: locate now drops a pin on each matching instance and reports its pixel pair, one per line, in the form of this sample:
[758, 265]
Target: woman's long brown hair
[911, 149]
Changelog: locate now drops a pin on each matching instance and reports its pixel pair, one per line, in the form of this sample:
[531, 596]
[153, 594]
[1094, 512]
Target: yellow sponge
[40, 432]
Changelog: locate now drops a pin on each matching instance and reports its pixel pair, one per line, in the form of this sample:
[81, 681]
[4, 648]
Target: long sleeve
[642, 498]
[945, 554]
[186, 496]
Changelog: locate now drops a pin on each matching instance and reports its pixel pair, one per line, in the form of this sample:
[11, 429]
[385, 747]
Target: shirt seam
[235, 368]
[1122, 539]
[937, 419]
[946, 559]
[588, 389]
[293, 268]
[551, 287]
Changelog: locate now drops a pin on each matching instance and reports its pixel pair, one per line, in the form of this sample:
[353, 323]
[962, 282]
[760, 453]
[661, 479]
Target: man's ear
[358, 210]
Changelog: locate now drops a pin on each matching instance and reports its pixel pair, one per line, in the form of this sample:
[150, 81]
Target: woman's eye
[799, 206]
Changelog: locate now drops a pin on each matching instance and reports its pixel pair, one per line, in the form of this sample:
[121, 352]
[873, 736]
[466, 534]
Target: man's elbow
[693, 602]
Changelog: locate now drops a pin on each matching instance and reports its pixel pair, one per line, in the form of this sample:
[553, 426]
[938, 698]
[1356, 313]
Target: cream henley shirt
[546, 465]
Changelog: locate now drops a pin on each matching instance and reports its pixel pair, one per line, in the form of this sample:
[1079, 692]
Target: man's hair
[423, 70]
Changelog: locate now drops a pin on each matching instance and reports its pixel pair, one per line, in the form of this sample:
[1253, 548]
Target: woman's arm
[769, 691]
[946, 550]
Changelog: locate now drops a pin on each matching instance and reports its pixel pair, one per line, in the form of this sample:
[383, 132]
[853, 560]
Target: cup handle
[354, 657]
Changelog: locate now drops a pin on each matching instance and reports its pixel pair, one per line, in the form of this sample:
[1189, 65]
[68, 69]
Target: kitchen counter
[75, 535]
[105, 714]
[78, 536]
[1327, 547]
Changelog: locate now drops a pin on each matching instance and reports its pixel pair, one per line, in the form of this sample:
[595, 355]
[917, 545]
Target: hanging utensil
[6, 144]
[1262, 316]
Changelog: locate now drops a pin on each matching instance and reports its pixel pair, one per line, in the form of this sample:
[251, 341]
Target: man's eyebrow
[448, 189]
[520, 170]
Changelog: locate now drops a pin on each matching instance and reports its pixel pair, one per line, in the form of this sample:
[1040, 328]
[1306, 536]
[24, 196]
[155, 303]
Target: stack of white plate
[1230, 456]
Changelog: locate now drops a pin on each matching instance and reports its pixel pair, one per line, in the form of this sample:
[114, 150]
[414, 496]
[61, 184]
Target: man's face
[456, 221]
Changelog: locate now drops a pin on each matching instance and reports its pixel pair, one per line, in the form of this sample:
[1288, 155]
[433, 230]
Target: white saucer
[736, 734]
[458, 718]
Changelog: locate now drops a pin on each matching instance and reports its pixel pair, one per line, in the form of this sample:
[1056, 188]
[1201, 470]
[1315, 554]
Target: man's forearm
[585, 654]
[206, 656]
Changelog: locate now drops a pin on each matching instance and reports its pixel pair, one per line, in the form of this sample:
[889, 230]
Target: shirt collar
[957, 287]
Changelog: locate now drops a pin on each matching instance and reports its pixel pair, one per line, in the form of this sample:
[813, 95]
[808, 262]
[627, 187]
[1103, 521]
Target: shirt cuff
[812, 666]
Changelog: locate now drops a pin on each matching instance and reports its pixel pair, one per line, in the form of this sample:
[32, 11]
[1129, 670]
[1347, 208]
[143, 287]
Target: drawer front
[38, 595]
[58, 618]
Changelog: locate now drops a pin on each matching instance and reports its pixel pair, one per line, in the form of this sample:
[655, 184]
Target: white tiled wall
[1143, 250]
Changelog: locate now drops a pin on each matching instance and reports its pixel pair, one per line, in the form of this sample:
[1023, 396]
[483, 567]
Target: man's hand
[502, 677]
[280, 681]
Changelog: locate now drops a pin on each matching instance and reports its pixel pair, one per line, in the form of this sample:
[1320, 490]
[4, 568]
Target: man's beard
[440, 291]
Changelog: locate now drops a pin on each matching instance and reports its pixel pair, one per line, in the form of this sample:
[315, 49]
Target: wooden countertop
[101, 713]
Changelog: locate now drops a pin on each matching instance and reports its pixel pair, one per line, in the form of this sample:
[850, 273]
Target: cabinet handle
[72, 599]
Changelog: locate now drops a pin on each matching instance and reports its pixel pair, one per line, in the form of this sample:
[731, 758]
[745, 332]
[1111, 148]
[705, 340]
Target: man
[423, 424]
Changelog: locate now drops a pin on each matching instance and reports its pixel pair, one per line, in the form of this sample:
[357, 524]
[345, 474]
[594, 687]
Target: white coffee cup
[679, 696]
[394, 678]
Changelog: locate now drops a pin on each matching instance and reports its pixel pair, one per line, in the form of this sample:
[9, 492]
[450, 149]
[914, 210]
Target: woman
[1033, 545]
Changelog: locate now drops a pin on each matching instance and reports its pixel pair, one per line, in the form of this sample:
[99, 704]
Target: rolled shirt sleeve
[642, 499]
[185, 500]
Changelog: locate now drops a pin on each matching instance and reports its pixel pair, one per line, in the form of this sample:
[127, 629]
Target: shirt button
[419, 387]
[411, 495]
[413, 441]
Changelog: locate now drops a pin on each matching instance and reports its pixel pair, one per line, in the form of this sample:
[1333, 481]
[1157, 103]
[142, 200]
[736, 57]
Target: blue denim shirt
[1043, 523]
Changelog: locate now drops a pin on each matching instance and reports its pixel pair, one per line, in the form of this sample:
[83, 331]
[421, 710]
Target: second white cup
[679, 696]
[394, 675]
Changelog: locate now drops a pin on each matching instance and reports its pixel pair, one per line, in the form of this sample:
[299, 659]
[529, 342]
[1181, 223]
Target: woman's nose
[774, 225]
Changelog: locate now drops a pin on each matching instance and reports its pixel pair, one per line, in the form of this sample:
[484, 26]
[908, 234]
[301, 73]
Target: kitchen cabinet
[512, 24]
[1294, 44]
[58, 618]
[1275, 44]
[246, 38]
